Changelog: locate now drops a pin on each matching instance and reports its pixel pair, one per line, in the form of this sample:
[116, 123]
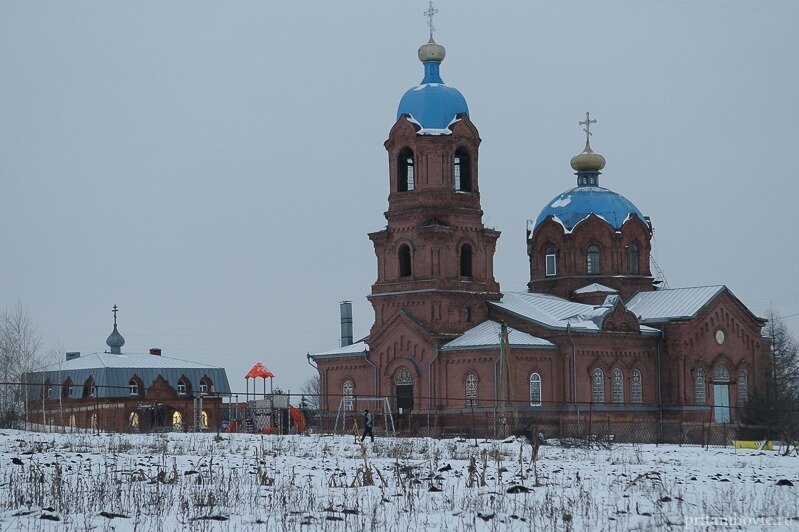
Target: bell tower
[435, 256]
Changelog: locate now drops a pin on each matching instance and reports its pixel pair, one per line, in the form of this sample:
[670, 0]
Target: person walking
[368, 425]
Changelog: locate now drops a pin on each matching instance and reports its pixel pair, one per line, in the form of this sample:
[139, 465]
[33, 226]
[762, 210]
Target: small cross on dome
[115, 310]
[430, 13]
[587, 125]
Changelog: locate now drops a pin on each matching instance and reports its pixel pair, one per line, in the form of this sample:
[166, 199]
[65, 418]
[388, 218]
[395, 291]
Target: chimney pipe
[155, 351]
[346, 323]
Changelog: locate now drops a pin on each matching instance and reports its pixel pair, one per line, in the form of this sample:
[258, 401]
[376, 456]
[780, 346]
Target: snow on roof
[125, 360]
[672, 304]
[112, 372]
[487, 335]
[358, 348]
[547, 310]
[594, 288]
[554, 312]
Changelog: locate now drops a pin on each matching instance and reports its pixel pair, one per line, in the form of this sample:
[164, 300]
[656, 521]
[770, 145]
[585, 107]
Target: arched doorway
[403, 384]
[721, 394]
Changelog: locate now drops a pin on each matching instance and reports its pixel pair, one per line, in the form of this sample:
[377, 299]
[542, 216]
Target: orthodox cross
[115, 315]
[587, 125]
[430, 13]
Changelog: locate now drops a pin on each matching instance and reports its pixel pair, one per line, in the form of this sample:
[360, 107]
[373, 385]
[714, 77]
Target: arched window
[743, 387]
[471, 389]
[618, 386]
[348, 393]
[133, 420]
[184, 386]
[535, 389]
[462, 170]
[404, 377]
[204, 419]
[594, 262]
[466, 260]
[550, 261]
[632, 253]
[721, 374]
[598, 386]
[405, 170]
[700, 395]
[405, 269]
[637, 389]
[467, 314]
[133, 387]
[177, 420]
[206, 386]
[89, 389]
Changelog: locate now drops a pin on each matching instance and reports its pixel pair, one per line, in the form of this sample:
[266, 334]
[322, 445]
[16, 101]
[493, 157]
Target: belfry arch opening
[462, 170]
[466, 261]
[404, 256]
[405, 170]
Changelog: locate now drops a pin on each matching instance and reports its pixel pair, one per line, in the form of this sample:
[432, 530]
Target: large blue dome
[431, 103]
[574, 206]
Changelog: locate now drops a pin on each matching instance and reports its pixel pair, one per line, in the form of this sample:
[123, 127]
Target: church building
[594, 329]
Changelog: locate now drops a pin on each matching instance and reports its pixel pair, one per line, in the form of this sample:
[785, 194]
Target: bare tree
[19, 345]
[774, 412]
[311, 389]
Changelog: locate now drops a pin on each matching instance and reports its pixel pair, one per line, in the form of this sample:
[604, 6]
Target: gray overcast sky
[213, 167]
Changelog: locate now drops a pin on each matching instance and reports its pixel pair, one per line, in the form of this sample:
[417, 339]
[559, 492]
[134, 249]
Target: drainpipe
[430, 388]
[321, 379]
[574, 375]
[660, 384]
[374, 368]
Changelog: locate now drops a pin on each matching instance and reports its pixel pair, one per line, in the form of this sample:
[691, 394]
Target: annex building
[593, 330]
[126, 392]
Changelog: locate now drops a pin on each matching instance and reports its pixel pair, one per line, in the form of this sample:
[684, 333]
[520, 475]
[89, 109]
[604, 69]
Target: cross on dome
[587, 125]
[115, 310]
[430, 13]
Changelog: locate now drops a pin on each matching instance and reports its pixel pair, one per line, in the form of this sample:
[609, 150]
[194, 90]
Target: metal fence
[296, 413]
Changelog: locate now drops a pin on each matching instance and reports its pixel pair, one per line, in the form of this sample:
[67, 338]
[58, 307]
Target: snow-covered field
[242, 482]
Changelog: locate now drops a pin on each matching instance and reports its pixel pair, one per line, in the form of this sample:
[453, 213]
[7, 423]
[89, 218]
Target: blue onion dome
[432, 104]
[575, 205]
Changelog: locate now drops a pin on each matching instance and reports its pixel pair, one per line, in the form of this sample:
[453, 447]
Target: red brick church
[594, 328]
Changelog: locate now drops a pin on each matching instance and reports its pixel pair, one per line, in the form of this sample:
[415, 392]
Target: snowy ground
[238, 482]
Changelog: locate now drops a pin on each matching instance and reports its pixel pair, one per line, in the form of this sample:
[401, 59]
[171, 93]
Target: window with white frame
[348, 394]
[182, 387]
[598, 386]
[618, 386]
[633, 258]
[535, 389]
[71, 392]
[471, 389]
[133, 387]
[743, 387]
[700, 395]
[637, 389]
[51, 392]
[551, 261]
[203, 387]
[594, 262]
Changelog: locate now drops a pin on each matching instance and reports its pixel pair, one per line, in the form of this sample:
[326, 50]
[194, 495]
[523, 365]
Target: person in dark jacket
[368, 425]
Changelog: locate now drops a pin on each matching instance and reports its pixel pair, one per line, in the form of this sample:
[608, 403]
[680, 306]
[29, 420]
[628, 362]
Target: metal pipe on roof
[345, 309]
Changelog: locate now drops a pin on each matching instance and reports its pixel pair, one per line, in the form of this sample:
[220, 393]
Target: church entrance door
[403, 382]
[721, 403]
[721, 394]
[405, 397]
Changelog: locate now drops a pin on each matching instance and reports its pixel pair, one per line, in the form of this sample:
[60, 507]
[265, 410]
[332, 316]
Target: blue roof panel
[574, 206]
